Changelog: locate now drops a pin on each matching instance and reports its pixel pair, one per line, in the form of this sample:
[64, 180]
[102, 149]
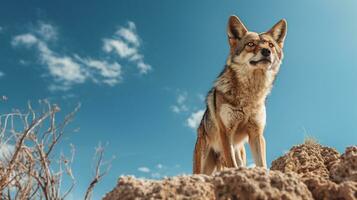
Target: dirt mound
[327, 174]
[323, 189]
[182, 187]
[239, 183]
[346, 168]
[307, 160]
[307, 171]
[258, 183]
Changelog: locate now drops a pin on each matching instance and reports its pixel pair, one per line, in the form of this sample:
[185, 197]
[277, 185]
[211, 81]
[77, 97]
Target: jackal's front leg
[228, 149]
[257, 146]
[240, 155]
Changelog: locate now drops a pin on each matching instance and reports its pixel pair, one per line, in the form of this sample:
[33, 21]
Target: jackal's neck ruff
[244, 87]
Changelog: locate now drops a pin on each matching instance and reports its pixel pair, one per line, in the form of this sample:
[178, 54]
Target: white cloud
[24, 62]
[136, 57]
[159, 171]
[59, 87]
[120, 47]
[47, 31]
[125, 43]
[156, 175]
[181, 98]
[2, 74]
[175, 109]
[129, 34]
[185, 106]
[24, 39]
[3, 98]
[180, 105]
[144, 169]
[66, 70]
[143, 67]
[195, 118]
[111, 73]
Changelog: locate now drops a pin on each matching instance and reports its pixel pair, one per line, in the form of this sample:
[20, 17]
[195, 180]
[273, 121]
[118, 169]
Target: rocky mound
[326, 173]
[184, 187]
[307, 160]
[346, 168]
[239, 183]
[307, 171]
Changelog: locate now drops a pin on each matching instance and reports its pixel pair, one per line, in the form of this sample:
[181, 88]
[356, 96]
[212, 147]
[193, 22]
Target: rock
[307, 171]
[258, 183]
[327, 174]
[323, 189]
[346, 168]
[232, 184]
[307, 160]
[181, 187]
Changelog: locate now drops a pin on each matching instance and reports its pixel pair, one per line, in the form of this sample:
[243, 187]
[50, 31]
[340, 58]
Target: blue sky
[142, 68]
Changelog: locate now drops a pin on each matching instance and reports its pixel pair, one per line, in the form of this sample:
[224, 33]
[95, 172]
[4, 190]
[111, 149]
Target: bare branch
[27, 173]
[99, 153]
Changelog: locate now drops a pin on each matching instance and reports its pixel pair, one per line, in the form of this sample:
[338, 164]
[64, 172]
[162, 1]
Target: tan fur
[236, 103]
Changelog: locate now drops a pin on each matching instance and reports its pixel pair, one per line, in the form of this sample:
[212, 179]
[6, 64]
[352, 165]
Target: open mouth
[264, 60]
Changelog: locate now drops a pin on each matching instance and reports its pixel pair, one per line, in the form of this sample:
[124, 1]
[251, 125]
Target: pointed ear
[278, 32]
[235, 30]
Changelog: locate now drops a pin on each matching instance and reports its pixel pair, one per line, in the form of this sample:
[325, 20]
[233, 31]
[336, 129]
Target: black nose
[265, 52]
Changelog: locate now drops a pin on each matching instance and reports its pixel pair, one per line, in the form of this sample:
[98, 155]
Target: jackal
[236, 103]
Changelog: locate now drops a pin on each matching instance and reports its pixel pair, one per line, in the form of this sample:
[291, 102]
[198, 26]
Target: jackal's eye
[250, 44]
[271, 45]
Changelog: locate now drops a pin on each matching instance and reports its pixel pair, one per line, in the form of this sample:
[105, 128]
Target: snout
[265, 52]
[264, 57]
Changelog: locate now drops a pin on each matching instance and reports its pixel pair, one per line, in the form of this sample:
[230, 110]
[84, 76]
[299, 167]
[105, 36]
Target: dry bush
[29, 166]
[309, 140]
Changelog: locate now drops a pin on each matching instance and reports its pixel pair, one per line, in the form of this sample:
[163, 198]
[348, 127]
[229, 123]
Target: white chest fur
[230, 115]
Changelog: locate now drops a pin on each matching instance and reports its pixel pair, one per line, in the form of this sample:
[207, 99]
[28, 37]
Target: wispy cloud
[2, 74]
[64, 69]
[27, 39]
[156, 175]
[47, 31]
[144, 169]
[129, 34]
[195, 118]
[125, 43]
[110, 72]
[67, 70]
[143, 67]
[159, 171]
[120, 47]
[181, 103]
[184, 105]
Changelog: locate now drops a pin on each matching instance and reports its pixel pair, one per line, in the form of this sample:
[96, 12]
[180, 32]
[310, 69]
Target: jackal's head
[250, 50]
